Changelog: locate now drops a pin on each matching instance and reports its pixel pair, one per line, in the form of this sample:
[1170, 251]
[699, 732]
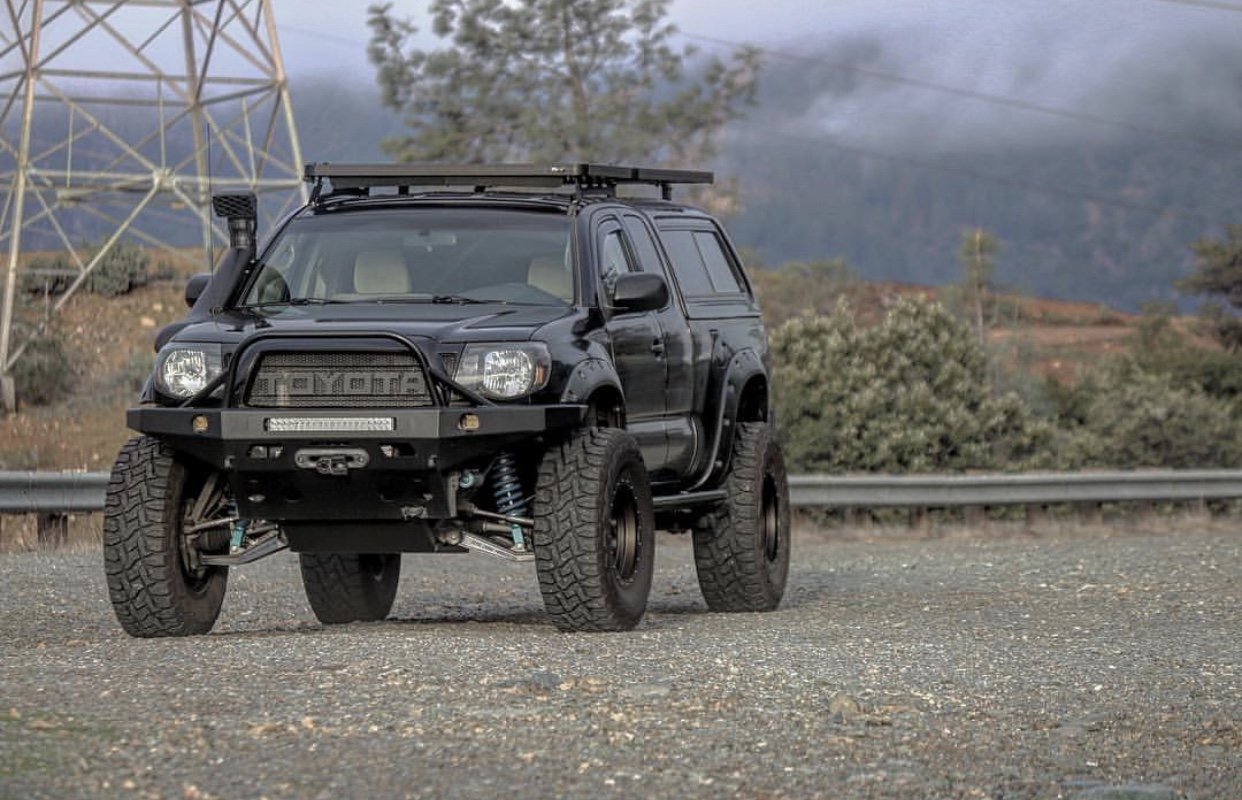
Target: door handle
[657, 347]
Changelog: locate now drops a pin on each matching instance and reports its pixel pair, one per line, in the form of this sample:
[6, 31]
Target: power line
[326, 37]
[985, 97]
[1214, 4]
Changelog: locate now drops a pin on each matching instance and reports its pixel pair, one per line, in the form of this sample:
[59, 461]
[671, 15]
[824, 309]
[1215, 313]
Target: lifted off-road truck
[518, 360]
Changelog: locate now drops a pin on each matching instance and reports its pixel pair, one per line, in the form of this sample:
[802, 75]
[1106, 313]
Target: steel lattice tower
[123, 116]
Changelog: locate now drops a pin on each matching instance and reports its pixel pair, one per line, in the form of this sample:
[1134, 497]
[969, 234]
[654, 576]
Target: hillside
[109, 344]
[109, 341]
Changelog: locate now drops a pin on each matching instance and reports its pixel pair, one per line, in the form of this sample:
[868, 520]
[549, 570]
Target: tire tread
[141, 565]
[729, 559]
[339, 590]
[573, 584]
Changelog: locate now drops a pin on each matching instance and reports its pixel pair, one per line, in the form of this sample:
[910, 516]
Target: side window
[648, 255]
[613, 259]
[718, 268]
[688, 264]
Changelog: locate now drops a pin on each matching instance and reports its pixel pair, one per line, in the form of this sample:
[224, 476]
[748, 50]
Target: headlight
[504, 371]
[183, 370]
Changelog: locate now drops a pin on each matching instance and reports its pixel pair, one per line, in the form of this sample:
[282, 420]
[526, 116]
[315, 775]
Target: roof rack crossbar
[583, 176]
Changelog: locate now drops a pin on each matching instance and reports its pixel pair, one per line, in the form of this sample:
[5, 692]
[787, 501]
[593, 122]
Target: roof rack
[360, 178]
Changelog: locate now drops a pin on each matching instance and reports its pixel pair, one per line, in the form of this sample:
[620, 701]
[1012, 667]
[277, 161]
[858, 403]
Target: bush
[1160, 348]
[47, 276]
[910, 395]
[1214, 372]
[122, 269]
[42, 374]
[1129, 417]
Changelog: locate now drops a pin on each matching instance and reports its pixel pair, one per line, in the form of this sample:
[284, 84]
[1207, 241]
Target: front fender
[589, 377]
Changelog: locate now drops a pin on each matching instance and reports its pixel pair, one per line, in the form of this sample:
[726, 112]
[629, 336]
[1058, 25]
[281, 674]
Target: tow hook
[332, 461]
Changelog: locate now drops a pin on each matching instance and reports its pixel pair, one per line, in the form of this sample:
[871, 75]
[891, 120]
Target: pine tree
[1219, 273]
[553, 80]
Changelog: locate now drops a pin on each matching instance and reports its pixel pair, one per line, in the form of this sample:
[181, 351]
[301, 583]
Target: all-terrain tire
[152, 592]
[742, 560]
[350, 587]
[594, 536]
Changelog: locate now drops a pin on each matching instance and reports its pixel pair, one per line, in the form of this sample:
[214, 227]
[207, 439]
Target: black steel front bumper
[408, 469]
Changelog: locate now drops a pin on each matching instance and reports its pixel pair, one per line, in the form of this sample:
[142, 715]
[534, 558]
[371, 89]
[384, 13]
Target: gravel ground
[1019, 668]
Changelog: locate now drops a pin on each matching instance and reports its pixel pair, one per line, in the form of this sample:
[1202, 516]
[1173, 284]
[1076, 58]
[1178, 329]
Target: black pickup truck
[538, 363]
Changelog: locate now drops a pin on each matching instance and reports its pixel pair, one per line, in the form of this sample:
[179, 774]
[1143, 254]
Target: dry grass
[19, 534]
[107, 340]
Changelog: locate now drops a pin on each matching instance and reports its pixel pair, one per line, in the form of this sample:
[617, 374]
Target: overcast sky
[984, 34]
[1154, 63]
[911, 65]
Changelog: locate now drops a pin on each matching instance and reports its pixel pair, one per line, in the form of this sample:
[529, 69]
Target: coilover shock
[507, 493]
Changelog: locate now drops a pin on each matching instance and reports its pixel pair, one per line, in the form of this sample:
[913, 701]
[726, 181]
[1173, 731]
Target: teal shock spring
[506, 488]
[507, 492]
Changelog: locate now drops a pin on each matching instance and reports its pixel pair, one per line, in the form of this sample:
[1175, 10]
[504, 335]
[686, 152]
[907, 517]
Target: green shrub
[122, 269]
[1160, 348]
[43, 373]
[909, 395]
[1216, 373]
[1129, 417]
[47, 276]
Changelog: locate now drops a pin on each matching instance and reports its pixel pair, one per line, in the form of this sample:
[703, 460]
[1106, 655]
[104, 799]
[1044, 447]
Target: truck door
[679, 391]
[637, 351]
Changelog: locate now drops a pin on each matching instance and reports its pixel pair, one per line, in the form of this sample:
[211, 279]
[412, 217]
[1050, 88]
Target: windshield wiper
[294, 301]
[461, 299]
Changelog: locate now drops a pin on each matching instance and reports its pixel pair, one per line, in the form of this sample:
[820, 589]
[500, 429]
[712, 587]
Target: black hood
[445, 323]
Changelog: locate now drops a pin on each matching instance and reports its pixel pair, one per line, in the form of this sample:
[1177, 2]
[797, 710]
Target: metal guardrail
[52, 492]
[79, 492]
[1011, 489]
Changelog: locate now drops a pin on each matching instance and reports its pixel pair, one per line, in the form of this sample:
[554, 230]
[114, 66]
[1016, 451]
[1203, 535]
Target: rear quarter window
[706, 270]
[688, 265]
[719, 270]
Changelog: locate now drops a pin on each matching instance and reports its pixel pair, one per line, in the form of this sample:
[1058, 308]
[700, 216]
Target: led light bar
[329, 424]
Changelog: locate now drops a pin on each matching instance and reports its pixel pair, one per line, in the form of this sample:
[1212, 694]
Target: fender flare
[588, 377]
[743, 366]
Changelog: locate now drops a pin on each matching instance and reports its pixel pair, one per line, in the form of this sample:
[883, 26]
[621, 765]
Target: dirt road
[1022, 668]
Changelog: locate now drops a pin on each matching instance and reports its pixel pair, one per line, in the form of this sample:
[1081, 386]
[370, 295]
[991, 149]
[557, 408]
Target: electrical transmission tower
[118, 119]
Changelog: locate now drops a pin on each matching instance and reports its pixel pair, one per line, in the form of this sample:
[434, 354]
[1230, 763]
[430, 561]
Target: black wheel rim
[770, 519]
[374, 566]
[197, 575]
[623, 533]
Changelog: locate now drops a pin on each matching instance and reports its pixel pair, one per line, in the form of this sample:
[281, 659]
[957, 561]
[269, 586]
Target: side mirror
[639, 291]
[195, 287]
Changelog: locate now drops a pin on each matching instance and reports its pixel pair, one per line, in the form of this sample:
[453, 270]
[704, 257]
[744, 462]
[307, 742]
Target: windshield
[418, 255]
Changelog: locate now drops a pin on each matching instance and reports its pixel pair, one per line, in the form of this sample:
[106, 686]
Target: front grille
[338, 380]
